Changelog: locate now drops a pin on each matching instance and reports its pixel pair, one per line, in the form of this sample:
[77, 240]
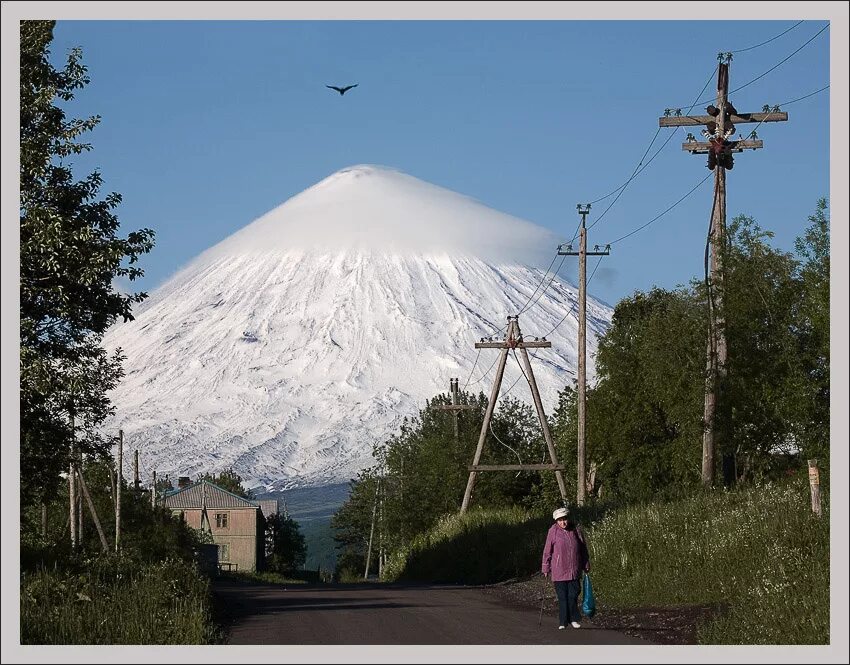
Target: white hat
[559, 512]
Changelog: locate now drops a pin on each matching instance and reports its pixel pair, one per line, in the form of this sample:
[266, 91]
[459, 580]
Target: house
[237, 525]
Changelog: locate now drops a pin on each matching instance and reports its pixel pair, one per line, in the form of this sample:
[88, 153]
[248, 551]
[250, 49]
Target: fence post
[814, 486]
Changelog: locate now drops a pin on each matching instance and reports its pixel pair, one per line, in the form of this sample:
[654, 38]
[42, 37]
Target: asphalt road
[389, 614]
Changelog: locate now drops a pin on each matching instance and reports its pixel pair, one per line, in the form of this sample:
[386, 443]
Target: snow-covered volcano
[290, 348]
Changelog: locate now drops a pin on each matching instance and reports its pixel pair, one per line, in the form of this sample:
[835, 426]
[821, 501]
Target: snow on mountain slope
[287, 350]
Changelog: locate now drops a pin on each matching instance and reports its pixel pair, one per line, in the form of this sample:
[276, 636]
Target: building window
[221, 520]
[224, 552]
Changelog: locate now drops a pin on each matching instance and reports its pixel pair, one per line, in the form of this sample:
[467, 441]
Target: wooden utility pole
[119, 481]
[92, 510]
[371, 531]
[72, 488]
[814, 486]
[513, 340]
[455, 407]
[381, 550]
[153, 490]
[136, 472]
[720, 126]
[582, 254]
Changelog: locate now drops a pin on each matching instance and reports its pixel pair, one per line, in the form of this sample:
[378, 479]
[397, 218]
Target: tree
[761, 295]
[286, 549]
[812, 325]
[70, 255]
[645, 413]
[228, 480]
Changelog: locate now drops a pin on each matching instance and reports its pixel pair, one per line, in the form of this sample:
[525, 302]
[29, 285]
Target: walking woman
[565, 555]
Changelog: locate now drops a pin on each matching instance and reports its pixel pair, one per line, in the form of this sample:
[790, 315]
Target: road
[389, 614]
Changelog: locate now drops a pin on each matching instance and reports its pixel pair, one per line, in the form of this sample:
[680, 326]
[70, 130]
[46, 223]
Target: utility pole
[153, 490]
[372, 530]
[720, 125]
[381, 550]
[92, 510]
[454, 407]
[513, 340]
[72, 487]
[136, 472]
[119, 482]
[72, 499]
[582, 254]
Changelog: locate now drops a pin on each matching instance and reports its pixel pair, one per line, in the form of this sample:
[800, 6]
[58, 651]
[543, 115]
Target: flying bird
[342, 90]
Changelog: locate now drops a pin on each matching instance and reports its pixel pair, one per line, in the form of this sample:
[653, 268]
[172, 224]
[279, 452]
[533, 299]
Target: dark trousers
[567, 601]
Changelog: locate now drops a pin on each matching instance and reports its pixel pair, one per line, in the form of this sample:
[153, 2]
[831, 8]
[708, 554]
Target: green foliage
[269, 577]
[115, 600]
[478, 547]
[645, 415]
[227, 480]
[147, 534]
[812, 349]
[150, 593]
[761, 295]
[286, 549]
[70, 254]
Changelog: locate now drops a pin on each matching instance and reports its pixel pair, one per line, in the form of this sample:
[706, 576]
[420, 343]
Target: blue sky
[206, 125]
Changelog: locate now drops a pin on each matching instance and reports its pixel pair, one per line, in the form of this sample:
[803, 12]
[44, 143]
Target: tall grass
[760, 552]
[113, 603]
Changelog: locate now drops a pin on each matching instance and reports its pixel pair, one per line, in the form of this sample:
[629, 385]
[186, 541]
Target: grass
[759, 552]
[162, 603]
[267, 577]
[477, 547]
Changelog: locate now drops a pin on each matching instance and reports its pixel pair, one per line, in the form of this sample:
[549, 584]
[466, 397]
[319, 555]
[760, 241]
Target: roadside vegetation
[117, 600]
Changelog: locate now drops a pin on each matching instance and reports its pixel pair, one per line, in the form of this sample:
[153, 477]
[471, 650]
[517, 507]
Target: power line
[809, 41]
[780, 62]
[793, 101]
[478, 355]
[602, 198]
[750, 48]
[640, 167]
[640, 228]
[551, 279]
[524, 307]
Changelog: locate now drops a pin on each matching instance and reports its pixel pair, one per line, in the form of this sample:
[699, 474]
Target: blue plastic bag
[588, 602]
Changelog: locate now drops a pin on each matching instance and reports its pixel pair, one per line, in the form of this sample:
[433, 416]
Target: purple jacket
[565, 554]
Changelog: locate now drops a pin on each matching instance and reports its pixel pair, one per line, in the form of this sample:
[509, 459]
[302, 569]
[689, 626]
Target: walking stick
[542, 592]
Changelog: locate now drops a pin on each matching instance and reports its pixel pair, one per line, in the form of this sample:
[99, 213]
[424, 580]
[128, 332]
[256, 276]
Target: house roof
[268, 506]
[202, 492]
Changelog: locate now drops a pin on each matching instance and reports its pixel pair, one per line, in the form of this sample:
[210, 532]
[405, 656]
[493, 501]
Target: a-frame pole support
[513, 340]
